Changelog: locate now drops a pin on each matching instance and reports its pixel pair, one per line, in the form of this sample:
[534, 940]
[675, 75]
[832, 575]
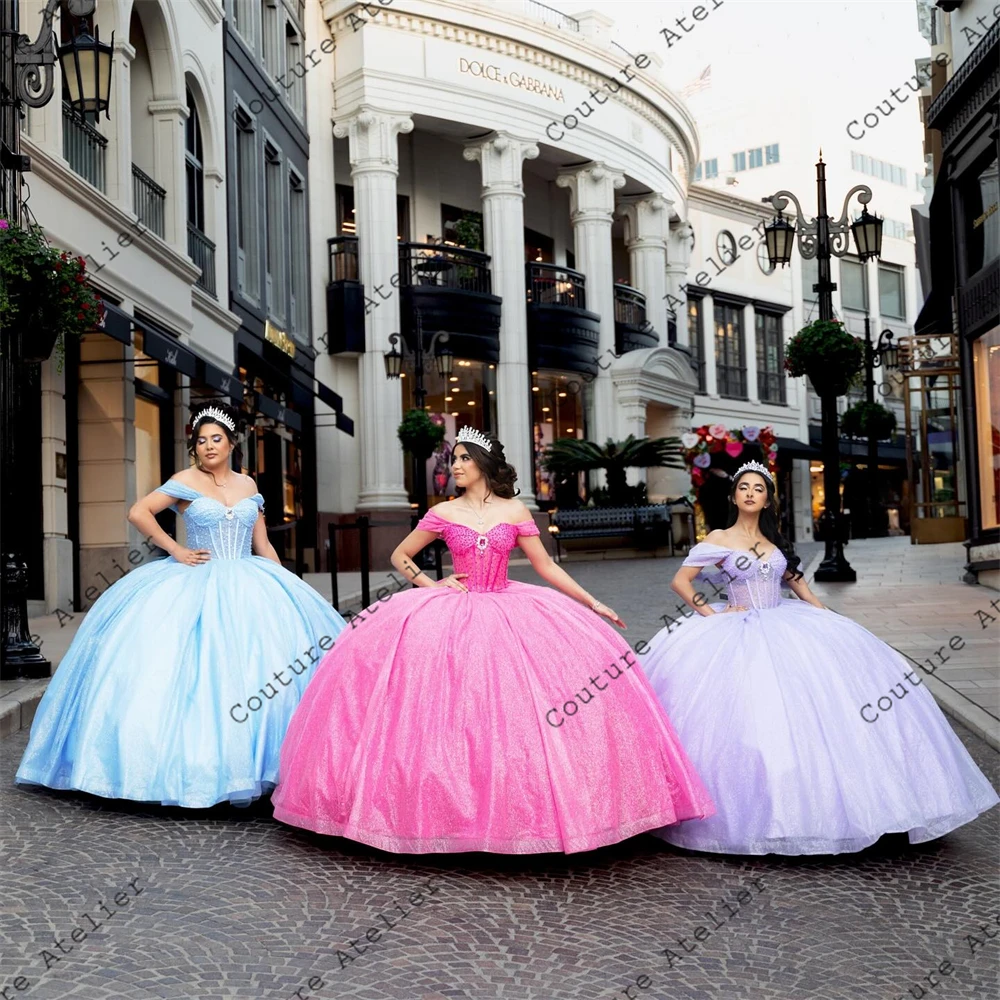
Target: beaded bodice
[483, 555]
[751, 581]
[227, 532]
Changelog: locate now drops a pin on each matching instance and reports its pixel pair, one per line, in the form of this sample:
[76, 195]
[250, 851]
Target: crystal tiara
[216, 416]
[753, 467]
[470, 434]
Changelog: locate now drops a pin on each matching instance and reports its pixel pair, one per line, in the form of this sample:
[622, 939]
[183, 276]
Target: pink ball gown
[449, 721]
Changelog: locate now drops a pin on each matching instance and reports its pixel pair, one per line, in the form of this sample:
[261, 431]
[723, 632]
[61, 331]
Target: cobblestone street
[232, 904]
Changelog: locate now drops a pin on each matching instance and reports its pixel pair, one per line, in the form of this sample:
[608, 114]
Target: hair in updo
[768, 522]
[498, 473]
[199, 419]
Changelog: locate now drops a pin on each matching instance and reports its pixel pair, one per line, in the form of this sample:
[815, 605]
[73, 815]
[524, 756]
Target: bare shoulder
[186, 476]
[445, 509]
[518, 512]
[717, 537]
[251, 484]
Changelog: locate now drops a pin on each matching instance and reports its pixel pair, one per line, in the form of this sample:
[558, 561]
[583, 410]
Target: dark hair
[768, 521]
[199, 419]
[499, 474]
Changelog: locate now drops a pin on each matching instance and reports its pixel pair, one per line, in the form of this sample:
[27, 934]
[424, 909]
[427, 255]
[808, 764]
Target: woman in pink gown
[483, 714]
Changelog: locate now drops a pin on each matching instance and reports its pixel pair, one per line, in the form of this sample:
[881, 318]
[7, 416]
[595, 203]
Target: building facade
[963, 304]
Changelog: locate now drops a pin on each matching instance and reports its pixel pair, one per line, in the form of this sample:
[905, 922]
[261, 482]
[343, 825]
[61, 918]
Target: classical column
[374, 167]
[118, 162]
[592, 203]
[647, 218]
[500, 156]
[678, 260]
[169, 118]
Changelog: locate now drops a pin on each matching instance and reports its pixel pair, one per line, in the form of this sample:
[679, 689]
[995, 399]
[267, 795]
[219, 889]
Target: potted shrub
[827, 354]
[419, 435]
[44, 293]
[868, 420]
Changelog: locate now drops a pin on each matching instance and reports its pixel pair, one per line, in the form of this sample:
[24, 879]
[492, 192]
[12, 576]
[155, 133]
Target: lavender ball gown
[449, 721]
[768, 704]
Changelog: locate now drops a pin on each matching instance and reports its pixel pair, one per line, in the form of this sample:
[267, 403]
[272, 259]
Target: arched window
[195, 167]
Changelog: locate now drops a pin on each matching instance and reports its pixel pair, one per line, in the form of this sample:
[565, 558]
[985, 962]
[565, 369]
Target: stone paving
[226, 903]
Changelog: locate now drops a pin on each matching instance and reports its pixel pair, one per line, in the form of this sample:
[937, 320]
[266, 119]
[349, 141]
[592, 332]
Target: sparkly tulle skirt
[771, 706]
[450, 721]
[180, 684]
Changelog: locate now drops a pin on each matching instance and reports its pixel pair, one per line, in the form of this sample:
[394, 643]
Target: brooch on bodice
[765, 570]
[229, 513]
[481, 542]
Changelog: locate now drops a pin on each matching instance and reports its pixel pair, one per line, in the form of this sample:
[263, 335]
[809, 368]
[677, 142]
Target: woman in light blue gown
[181, 680]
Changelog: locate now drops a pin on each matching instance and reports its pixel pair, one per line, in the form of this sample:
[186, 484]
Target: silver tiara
[475, 437]
[216, 416]
[753, 467]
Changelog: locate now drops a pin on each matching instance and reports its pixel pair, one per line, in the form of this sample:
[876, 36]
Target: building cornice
[214, 310]
[210, 10]
[709, 198]
[514, 46]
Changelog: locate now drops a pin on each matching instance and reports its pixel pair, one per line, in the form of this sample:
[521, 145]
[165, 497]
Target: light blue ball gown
[181, 680]
[774, 706]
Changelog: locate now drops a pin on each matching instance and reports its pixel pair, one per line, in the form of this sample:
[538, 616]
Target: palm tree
[568, 456]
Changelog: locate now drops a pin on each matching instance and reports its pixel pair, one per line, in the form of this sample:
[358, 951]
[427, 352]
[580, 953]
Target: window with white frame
[697, 173]
[711, 168]
[247, 215]
[772, 154]
[277, 248]
[739, 161]
[894, 228]
[730, 362]
[770, 358]
[891, 296]
[295, 70]
[810, 275]
[853, 286]
[756, 157]
[273, 48]
[299, 257]
[245, 17]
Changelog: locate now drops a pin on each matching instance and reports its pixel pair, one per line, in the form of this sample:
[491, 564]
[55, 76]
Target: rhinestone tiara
[216, 416]
[475, 437]
[753, 467]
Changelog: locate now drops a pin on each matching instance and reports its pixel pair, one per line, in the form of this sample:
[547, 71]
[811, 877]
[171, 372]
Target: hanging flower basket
[44, 294]
[868, 420]
[419, 435]
[827, 354]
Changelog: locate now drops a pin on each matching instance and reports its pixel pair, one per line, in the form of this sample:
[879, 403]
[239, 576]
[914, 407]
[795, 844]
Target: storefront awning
[229, 384]
[935, 315]
[273, 409]
[162, 346]
[791, 448]
[116, 323]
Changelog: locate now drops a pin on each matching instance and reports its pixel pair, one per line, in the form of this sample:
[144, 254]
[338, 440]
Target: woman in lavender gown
[767, 694]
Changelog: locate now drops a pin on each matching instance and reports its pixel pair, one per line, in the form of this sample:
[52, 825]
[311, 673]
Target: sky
[808, 60]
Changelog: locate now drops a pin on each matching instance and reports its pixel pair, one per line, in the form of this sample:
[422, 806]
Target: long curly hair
[768, 521]
[499, 474]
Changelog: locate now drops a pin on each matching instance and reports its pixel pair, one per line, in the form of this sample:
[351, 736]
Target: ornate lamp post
[27, 77]
[393, 370]
[821, 238]
[884, 353]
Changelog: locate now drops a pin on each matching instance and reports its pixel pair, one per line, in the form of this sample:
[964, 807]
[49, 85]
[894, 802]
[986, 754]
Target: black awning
[217, 379]
[273, 409]
[163, 346]
[345, 424]
[790, 447]
[328, 396]
[116, 323]
[935, 315]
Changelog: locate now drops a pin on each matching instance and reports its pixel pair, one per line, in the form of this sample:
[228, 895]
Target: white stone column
[678, 260]
[169, 117]
[374, 159]
[592, 203]
[750, 351]
[118, 163]
[647, 219]
[501, 155]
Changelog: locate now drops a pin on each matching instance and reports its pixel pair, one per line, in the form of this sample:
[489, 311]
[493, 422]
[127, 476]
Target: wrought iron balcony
[148, 201]
[632, 330]
[84, 148]
[202, 251]
[562, 334]
[345, 297]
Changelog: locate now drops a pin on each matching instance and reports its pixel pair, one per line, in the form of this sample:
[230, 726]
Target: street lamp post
[876, 356]
[394, 368]
[27, 77]
[822, 238]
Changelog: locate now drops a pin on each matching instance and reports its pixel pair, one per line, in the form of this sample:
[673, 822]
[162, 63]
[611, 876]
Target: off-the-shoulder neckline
[205, 496]
[458, 524]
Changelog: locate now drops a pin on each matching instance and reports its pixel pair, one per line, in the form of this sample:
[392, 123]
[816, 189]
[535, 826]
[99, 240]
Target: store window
[346, 223]
[696, 339]
[557, 408]
[770, 359]
[986, 377]
[730, 362]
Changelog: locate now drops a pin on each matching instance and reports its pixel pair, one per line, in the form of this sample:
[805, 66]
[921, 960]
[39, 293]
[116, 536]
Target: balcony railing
[630, 306]
[85, 148]
[148, 200]
[552, 285]
[202, 251]
[550, 15]
[435, 264]
[343, 258]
